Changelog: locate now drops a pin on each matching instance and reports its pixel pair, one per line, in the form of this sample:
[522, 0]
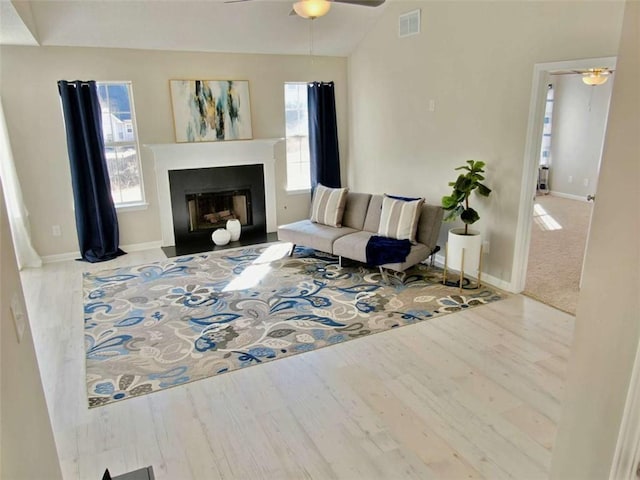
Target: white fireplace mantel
[182, 156]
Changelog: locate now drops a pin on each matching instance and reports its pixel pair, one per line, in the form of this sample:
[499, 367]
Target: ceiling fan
[590, 76]
[317, 8]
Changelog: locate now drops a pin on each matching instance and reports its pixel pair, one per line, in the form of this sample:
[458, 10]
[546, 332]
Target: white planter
[221, 236]
[470, 244]
[234, 228]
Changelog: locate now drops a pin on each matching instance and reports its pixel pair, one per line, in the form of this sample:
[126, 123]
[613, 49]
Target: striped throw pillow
[399, 218]
[328, 205]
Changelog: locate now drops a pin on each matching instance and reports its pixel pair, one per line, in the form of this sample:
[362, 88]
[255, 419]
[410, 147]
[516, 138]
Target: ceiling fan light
[596, 77]
[312, 8]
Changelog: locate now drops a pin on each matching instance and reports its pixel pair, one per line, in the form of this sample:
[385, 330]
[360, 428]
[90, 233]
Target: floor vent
[409, 24]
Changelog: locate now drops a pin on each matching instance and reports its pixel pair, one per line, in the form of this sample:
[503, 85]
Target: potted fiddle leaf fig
[457, 204]
[464, 244]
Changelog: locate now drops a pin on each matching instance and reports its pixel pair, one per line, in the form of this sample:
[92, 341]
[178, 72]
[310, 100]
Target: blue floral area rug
[158, 325]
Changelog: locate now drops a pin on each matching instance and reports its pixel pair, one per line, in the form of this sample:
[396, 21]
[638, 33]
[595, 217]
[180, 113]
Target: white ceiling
[257, 26]
[13, 29]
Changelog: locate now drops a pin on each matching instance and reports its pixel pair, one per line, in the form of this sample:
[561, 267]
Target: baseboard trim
[60, 257]
[569, 196]
[486, 278]
[134, 247]
[137, 247]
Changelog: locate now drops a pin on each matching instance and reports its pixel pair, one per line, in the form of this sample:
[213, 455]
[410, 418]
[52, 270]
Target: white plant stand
[463, 253]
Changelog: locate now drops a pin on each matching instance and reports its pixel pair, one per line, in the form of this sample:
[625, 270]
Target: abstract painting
[211, 110]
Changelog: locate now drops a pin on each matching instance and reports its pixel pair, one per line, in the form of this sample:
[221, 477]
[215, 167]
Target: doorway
[558, 238]
[554, 216]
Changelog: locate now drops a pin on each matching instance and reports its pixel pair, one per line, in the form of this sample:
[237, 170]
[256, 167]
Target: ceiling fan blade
[362, 3]
[601, 71]
[565, 73]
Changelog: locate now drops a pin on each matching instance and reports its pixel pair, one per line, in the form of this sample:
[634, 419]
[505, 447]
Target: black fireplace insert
[203, 199]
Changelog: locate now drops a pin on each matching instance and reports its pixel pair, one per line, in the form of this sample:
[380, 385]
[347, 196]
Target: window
[297, 133]
[545, 150]
[121, 143]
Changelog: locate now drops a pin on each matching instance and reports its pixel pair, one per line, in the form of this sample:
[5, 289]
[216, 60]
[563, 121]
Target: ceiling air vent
[409, 24]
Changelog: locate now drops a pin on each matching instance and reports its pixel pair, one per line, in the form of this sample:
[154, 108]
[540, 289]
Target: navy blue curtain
[96, 220]
[323, 135]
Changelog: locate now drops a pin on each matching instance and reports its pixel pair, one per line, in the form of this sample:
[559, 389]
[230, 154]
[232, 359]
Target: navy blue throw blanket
[382, 250]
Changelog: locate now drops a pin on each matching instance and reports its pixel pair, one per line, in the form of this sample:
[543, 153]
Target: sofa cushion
[399, 218]
[372, 220]
[354, 246]
[355, 210]
[327, 207]
[418, 253]
[429, 225]
[318, 236]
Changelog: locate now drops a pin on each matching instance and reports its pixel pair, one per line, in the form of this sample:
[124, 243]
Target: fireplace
[203, 199]
[173, 157]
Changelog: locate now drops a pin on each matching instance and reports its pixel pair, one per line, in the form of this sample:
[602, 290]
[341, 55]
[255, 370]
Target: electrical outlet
[56, 231]
[486, 246]
[586, 182]
[570, 179]
[19, 318]
[432, 105]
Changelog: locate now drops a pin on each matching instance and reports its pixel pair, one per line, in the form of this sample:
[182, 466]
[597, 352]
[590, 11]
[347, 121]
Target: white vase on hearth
[234, 228]
[221, 237]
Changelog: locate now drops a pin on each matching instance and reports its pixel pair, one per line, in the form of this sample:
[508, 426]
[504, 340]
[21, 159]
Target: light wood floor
[469, 395]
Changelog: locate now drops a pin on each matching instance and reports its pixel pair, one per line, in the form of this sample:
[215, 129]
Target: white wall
[28, 87]
[579, 119]
[608, 320]
[27, 448]
[475, 60]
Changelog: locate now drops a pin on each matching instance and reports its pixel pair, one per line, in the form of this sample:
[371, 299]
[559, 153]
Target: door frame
[532, 158]
[626, 458]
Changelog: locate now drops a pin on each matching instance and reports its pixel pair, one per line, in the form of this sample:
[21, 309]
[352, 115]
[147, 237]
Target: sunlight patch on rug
[154, 326]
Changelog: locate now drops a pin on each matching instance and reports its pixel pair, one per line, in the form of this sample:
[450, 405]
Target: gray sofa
[359, 222]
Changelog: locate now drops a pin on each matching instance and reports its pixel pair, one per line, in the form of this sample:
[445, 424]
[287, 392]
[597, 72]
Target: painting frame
[210, 110]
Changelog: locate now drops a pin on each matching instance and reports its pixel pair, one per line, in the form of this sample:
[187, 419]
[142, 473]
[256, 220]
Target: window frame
[296, 189]
[141, 204]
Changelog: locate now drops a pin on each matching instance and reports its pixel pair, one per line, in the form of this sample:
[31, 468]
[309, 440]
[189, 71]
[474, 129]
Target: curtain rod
[76, 82]
[314, 84]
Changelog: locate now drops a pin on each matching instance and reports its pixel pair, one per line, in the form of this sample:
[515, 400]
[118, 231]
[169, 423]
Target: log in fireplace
[211, 210]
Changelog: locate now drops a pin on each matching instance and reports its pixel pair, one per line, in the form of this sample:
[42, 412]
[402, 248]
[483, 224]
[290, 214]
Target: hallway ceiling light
[596, 76]
[590, 76]
[312, 8]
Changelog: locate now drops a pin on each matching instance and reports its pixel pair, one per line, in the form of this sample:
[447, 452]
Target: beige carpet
[558, 238]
